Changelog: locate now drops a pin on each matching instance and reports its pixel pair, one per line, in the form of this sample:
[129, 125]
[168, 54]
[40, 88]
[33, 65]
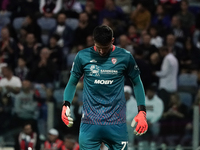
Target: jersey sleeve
[132, 68]
[77, 68]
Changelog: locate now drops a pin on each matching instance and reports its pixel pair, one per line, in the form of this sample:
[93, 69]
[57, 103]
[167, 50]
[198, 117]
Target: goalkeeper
[104, 106]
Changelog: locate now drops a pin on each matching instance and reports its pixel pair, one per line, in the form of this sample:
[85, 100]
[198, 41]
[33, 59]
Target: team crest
[114, 60]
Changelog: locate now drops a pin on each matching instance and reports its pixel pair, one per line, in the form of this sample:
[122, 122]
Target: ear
[113, 39]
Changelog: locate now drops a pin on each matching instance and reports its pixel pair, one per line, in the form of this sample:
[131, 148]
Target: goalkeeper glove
[141, 121]
[66, 114]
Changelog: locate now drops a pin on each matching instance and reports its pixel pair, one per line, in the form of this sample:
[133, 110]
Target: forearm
[70, 89]
[139, 91]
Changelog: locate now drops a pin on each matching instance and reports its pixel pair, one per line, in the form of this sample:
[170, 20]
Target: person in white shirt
[167, 75]
[154, 109]
[131, 112]
[9, 84]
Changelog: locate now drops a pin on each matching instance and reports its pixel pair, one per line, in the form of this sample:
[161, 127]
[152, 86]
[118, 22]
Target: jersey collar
[112, 49]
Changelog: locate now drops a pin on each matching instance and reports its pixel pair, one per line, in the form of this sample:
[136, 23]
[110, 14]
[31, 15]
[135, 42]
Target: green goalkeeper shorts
[115, 137]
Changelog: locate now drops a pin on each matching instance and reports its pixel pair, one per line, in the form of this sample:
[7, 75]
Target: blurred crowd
[39, 40]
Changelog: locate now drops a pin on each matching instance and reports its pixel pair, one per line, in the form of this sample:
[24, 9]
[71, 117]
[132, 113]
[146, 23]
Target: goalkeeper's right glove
[66, 114]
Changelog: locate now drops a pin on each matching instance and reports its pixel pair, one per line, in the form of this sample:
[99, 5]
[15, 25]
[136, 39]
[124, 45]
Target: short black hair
[103, 34]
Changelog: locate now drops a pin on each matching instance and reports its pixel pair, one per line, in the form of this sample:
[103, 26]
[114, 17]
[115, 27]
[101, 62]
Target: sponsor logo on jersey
[94, 70]
[114, 60]
[109, 72]
[103, 81]
[93, 61]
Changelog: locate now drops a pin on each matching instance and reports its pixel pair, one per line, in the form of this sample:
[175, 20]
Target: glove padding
[141, 121]
[66, 116]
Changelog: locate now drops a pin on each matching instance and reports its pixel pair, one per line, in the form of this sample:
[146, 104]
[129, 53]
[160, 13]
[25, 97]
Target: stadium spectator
[72, 8]
[50, 6]
[111, 10]
[125, 5]
[174, 48]
[156, 40]
[147, 47]
[70, 143]
[7, 47]
[167, 75]
[89, 41]
[178, 31]
[22, 8]
[27, 138]
[56, 53]
[53, 142]
[144, 67]
[141, 17]
[21, 70]
[6, 106]
[92, 12]
[186, 17]
[9, 84]
[43, 70]
[154, 113]
[174, 120]
[29, 50]
[161, 19]
[125, 43]
[189, 56]
[64, 31]
[133, 35]
[84, 29]
[155, 64]
[25, 106]
[31, 26]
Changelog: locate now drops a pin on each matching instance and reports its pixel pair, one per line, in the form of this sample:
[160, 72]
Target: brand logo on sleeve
[103, 81]
[114, 60]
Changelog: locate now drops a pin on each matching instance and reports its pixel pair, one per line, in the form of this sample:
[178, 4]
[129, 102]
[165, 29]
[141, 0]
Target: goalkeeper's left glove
[66, 114]
[141, 121]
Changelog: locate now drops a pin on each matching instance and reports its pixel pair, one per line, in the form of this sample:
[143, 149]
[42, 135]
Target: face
[44, 54]
[153, 32]
[52, 138]
[146, 39]
[123, 40]
[184, 6]
[83, 17]
[150, 94]
[26, 84]
[132, 30]
[28, 129]
[68, 144]
[4, 33]
[30, 38]
[90, 41]
[159, 10]
[21, 62]
[170, 39]
[5, 72]
[53, 41]
[61, 18]
[104, 50]
[175, 22]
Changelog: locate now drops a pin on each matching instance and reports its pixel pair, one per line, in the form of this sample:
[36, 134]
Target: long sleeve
[70, 89]
[165, 69]
[139, 91]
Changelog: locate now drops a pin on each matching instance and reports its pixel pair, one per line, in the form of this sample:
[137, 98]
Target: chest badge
[114, 60]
